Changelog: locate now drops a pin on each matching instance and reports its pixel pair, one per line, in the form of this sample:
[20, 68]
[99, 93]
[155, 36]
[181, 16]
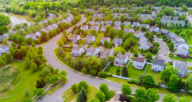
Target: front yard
[156, 75]
[112, 69]
[134, 73]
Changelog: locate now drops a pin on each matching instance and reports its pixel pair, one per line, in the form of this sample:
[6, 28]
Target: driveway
[162, 48]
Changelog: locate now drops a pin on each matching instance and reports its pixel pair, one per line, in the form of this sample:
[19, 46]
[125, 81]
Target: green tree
[148, 56]
[141, 94]
[148, 80]
[171, 46]
[126, 89]
[82, 95]
[94, 100]
[83, 84]
[155, 50]
[38, 91]
[105, 43]
[153, 95]
[169, 98]
[9, 57]
[118, 70]
[27, 63]
[124, 72]
[112, 33]
[184, 99]
[100, 95]
[104, 88]
[74, 88]
[13, 45]
[53, 79]
[33, 67]
[172, 84]
[27, 93]
[135, 54]
[5, 41]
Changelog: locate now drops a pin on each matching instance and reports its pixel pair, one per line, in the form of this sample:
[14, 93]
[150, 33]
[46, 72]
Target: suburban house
[89, 39]
[182, 67]
[32, 35]
[145, 25]
[178, 12]
[117, 42]
[47, 29]
[38, 34]
[103, 28]
[173, 21]
[175, 18]
[117, 23]
[127, 23]
[96, 28]
[84, 27]
[98, 23]
[91, 23]
[154, 29]
[51, 15]
[102, 40]
[164, 31]
[1, 37]
[106, 53]
[98, 15]
[92, 51]
[148, 15]
[139, 63]
[77, 51]
[4, 49]
[108, 23]
[135, 24]
[171, 35]
[121, 59]
[75, 38]
[158, 65]
[142, 18]
[143, 39]
[166, 17]
[146, 45]
[139, 34]
[182, 51]
[116, 27]
[177, 39]
[180, 45]
[128, 30]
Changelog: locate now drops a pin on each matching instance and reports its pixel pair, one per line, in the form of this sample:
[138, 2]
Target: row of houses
[4, 49]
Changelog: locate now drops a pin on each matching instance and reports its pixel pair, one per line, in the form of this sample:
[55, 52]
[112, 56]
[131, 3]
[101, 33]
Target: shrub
[93, 72]
[74, 88]
[122, 97]
[102, 74]
[135, 81]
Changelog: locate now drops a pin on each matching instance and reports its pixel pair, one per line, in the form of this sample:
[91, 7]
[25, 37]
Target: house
[38, 34]
[4, 49]
[182, 51]
[158, 65]
[98, 15]
[47, 29]
[103, 39]
[116, 27]
[32, 35]
[177, 39]
[154, 29]
[139, 63]
[126, 30]
[164, 31]
[139, 34]
[117, 42]
[108, 23]
[51, 15]
[1, 37]
[77, 51]
[146, 45]
[180, 45]
[91, 23]
[103, 28]
[145, 25]
[98, 23]
[175, 18]
[96, 28]
[121, 59]
[84, 27]
[92, 51]
[75, 38]
[148, 15]
[89, 39]
[166, 17]
[182, 22]
[142, 18]
[171, 35]
[117, 23]
[135, 24]
[106, 53]
[182, 67]
[178, 12]
[143, 39]
[127, 23]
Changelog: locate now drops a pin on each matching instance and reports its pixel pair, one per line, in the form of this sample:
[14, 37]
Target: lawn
[68, 54]
[112, 69]
[190, 49]
[175, 57]
[27, 81]
[134, 73]
[156, 75]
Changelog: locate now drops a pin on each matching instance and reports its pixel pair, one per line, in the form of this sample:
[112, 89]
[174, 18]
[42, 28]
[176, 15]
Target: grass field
[156, 75]
[134, 73]
[68, 54]
[112, 69]
[27, 81]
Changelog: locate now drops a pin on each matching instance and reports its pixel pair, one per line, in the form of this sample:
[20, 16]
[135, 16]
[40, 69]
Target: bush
[102, 74]
[93, 72]
[135, 81]
[122, 97]
[74, 88]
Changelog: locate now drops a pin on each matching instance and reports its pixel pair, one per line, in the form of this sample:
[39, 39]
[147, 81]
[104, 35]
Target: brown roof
[106, 52]
[89, 37]
[104, 38]
[137, 32]
[115, 27]
[153, 27]
[142, 60]
[76, 48]
[121, 56]
[92, 50]
[104, 27]
[93, 27]
[32, 34]
[83, 26]
[74, 36]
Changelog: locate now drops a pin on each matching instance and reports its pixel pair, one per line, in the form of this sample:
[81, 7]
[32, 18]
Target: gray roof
[181, 66]
[4, 46]
[106, 52]
[92, 50]
[121, 56]
[160, 62]
[117, 39]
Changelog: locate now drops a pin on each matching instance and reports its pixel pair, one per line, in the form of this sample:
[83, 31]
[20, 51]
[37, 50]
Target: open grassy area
[190, 49]
[68, 54]
[112, 69]
[175, 57]
[134, 73]
[27, 81]
[156, 75]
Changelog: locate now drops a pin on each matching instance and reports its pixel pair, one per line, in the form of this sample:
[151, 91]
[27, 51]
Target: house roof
[137, 59]
[145, 25]
[104, 27]
[117, 22]
[91, 21]
[74, 36]
[94, 27]
[117, 39]
[106, 52]
[89, 37]
[76, 48]
[181, 65]
[160, 62]
[143, 37]
[135, 23]
[116, 27]
[126, 29]
[104, 38]
[31, 35]
[164, 30]
[4, 46]
[84, 26]
[127, 22]
[153, 27]
[149, 44]
[121, 56]
[108, 21]
[137, 32]
[92, 50]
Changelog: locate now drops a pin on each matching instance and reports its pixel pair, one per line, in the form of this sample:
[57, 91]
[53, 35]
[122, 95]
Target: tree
[105, 43]
[63, 78]
[169, 98]
[61, 43]
[100, 95]
[38, 91]
[112, 33]
[189, 80]
[29, 41]
[53, 79]
[148, 80]
[172, 84]
[104, 88]
[165, 74]
[27, 93]
[171, 46]
[94, 100]
[151, 37]
[5, 41]
[74, 88]
[184, 99]
[23, 51]
[143, 28]
[126, 89]
[148, 56]
[184, 8]
[56, 71]
[83, 84]
[118, 70]
[82, 96]
[122, 97]
[153, 95]
[155, 50]
[33, 67]
[141, 94]
[13, 45]
[180, 84]
[135, 54]
[124, 72]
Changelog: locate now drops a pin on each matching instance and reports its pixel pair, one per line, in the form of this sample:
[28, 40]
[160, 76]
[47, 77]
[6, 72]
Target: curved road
[73, 76]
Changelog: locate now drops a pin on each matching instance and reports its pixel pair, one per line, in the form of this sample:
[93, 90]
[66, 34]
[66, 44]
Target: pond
[17, 19]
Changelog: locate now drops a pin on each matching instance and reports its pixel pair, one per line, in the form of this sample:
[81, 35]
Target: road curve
[73, 76]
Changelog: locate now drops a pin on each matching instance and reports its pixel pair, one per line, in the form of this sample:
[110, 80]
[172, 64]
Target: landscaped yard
[135, 73]
[27, 81]
[68, 54]
[112, 69]
[190, 49]
[156, 75]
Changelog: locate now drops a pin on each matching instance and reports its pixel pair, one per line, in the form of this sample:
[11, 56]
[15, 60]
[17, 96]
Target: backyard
[112, 69]
[135, 73]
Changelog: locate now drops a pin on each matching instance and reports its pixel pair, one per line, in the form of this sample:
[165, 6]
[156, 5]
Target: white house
[91, 23]
[182, 67]
[158, 65]
[143, 39]
[106, 53]
[89, 39]
[92, 51]
[98, 23]
[117, 42]
[32, 35]
[116, 27]
[103, 39]
[38, 34]
[96, 28]
[77, 51]
[75, 38]
[177, 39]
[139, 63]
[145, 25]
[1, 37]
[135, 24]
[108, 23]
[182, 51]
[117, 23]
[154, 29]
[171, 35]
[182, 22]
[126, 30]
[180, 45]
[4, 49]
[84, 27]
[139, 34]
[127, 23]
[146, 45]
[121, 59]
[103, 28]
[164, 31]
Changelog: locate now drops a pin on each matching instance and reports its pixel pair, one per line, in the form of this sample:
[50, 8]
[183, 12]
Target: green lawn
[112, 69]
[68, 54]
[190, 49]
[175, 58]
[156, 75]
[134, 73]
[27, 81]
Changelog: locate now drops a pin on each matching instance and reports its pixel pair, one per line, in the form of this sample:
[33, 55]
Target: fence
[42, 88]
[120, 77]
[107, 66]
